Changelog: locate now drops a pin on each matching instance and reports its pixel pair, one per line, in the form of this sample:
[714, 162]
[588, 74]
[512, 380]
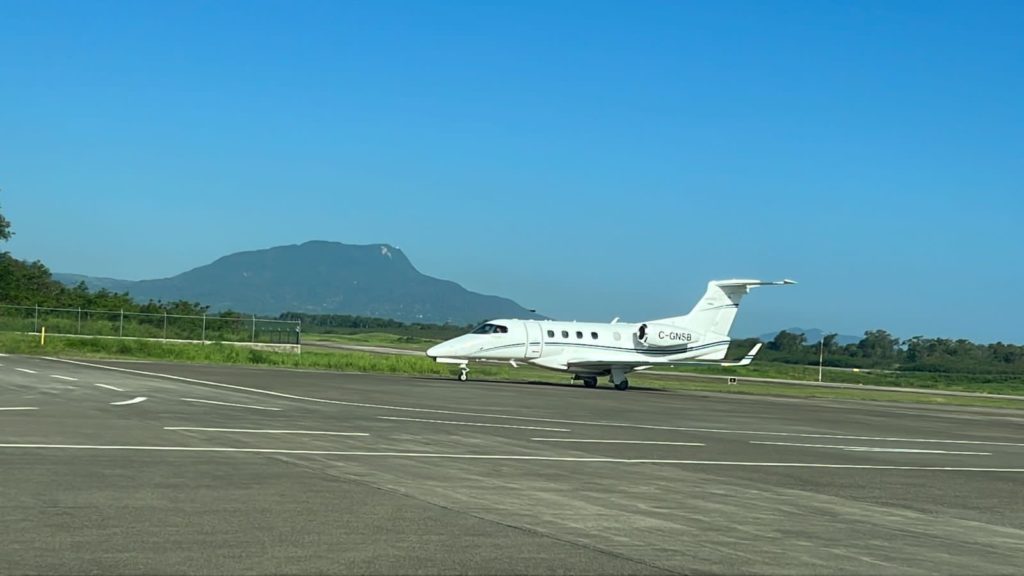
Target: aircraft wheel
[463, 376]
[622, 385]
[590, 381]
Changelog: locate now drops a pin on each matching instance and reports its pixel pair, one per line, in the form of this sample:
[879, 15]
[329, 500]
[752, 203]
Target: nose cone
[439, 350]
[454, 348]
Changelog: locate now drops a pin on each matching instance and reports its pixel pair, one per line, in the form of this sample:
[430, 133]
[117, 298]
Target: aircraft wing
[746, 360]
[650, 363]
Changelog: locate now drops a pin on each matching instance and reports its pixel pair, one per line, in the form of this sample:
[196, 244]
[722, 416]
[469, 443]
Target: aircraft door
[534, 340]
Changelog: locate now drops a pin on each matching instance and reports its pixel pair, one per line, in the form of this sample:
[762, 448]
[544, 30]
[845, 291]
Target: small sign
[732, 379]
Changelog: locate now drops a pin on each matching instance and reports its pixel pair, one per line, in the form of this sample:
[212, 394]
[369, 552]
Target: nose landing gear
[463, 373]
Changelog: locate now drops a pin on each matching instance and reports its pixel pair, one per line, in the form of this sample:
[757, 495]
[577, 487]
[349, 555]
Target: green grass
[373, 339]
[984, 383]
[347, 361]
[342, 361]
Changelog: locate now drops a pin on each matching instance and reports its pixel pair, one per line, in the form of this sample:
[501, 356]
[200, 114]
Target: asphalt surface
[226, 470]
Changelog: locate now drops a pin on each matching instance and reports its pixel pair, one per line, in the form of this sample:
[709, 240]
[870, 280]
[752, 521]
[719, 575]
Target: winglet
[746, 359]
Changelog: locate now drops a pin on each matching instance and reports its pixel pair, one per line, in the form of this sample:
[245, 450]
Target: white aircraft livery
[591, 350]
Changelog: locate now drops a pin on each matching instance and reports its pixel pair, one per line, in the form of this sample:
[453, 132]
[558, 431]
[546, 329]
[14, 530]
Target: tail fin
[715, 312]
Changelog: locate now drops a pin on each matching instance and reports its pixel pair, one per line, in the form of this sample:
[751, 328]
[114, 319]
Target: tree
[828, 341]
[879, 345]
[5, 229]
[787, 342]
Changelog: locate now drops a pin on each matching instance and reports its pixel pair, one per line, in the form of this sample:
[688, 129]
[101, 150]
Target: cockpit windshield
[490, 329]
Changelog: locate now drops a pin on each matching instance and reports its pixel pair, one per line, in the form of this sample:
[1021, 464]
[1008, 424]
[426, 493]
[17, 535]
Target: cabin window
[490, 329]
[593, 335]
[617, 336]
[565, 333]
[551, 333]
[579, 335]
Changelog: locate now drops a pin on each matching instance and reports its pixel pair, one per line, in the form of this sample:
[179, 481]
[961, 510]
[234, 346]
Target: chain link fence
[121, 324]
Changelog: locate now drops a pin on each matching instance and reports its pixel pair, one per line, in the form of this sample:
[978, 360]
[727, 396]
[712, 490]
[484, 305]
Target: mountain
[320, 277]
[812, 335]
[94, 283]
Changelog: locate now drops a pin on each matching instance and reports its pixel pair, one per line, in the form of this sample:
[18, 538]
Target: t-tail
[715, 312]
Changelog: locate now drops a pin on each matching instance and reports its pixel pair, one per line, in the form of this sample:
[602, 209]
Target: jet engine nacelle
[664, 335]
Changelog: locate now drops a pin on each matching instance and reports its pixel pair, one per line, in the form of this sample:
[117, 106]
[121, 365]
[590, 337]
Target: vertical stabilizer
[715, 312]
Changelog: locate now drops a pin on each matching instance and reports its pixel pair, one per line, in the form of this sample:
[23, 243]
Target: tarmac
[155, 468]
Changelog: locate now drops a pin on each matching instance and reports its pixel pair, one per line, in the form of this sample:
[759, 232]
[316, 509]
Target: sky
[586, 159]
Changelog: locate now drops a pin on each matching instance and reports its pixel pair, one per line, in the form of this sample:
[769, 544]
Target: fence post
[35, 324]
[79, 320]
[165, 325]
[253, 328]
[120, 330]
[204, 327]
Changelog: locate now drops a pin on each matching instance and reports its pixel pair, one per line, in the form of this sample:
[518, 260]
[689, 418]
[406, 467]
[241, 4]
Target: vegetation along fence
[230, 327]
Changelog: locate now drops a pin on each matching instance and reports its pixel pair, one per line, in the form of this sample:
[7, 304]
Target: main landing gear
[618, 378]
[619, 381]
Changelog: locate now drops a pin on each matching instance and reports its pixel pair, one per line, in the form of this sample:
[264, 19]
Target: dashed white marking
[26, 370]
[69, 378]
[874, 448]
[585, 440]
[508, 457]
[19, 408]
[228, 404]
[135, 400]
[3, 355]
[473, 424]
[529, 418]
[109, 387]
[266, 431]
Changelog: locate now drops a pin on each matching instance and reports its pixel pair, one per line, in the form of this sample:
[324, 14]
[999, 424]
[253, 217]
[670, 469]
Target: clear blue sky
[587, 159]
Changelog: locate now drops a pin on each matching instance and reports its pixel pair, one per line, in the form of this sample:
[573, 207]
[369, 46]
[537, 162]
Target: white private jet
[592, 350]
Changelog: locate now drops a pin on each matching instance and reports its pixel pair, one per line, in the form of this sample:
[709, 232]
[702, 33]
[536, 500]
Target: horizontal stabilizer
[746, 360]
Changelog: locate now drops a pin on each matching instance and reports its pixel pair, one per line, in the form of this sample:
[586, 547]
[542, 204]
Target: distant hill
[320, 278]
[812, 335]
[94, 283]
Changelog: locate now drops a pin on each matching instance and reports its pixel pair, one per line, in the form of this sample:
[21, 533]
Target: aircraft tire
[463, 376]
[624, 384]
[590, 381]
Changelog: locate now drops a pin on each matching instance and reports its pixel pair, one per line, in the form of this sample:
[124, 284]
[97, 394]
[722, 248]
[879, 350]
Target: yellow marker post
[42, 336]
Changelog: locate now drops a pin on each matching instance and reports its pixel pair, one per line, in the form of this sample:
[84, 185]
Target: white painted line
[266, 431]
[528, 418]
[64, 377]
[473, 424]
[26, 370]
[506, 457]
[3, 355]
[19, 408]
[617, 441]
[874, 449]
[135, 400]
[228, 404]
[109, 387]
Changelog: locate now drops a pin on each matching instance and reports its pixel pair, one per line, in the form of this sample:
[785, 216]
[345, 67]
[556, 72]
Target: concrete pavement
[248, 470]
